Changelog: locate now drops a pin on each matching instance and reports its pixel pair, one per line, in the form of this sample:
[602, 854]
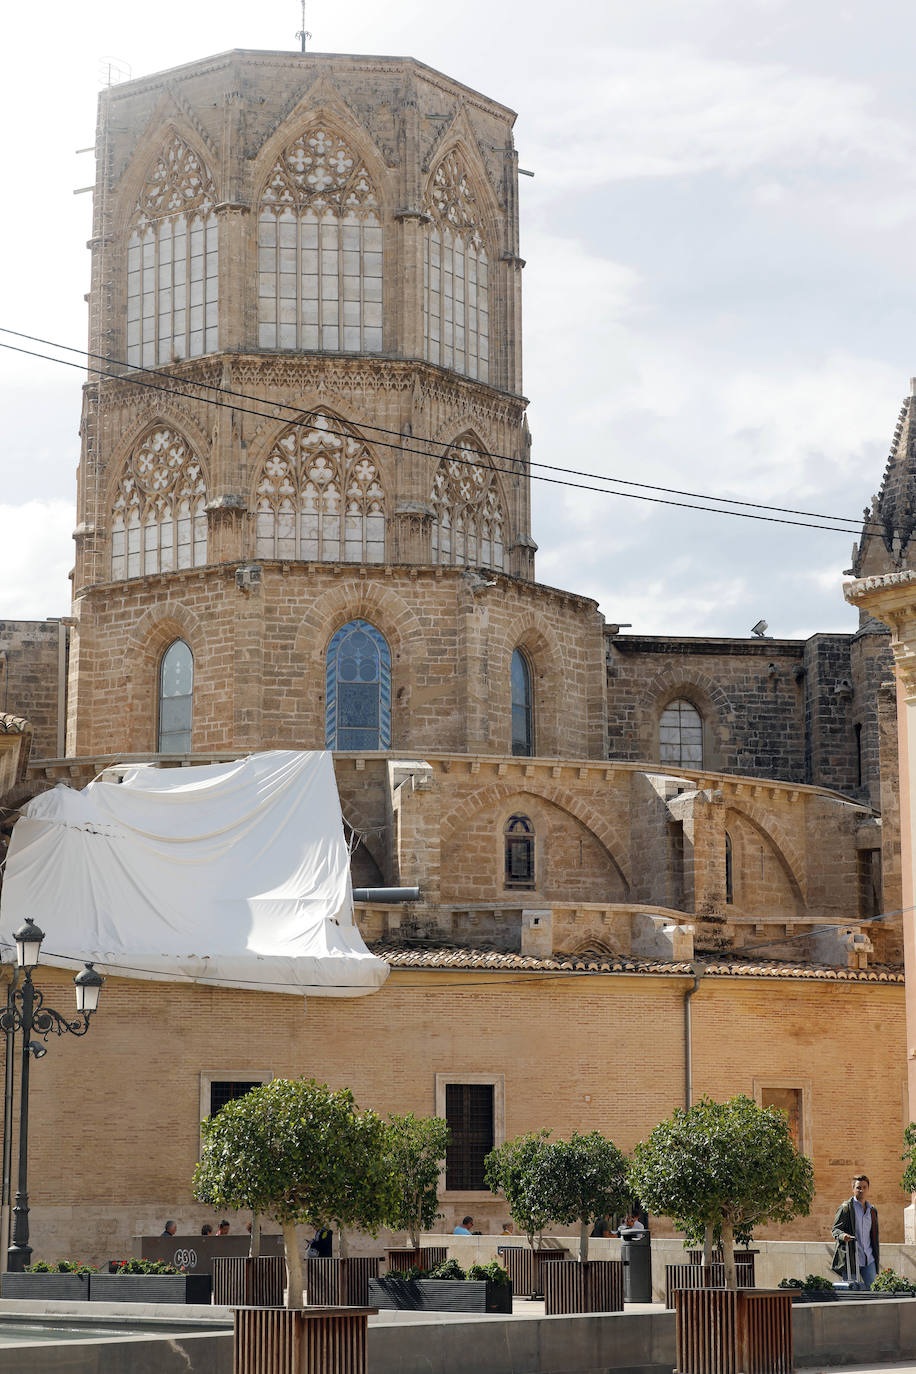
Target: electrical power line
[176, 387]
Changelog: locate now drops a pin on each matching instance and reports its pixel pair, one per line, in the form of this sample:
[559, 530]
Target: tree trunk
[343, 1243]
[293, 1265]
[707, 1245]
[255, 1247]
[583, 1241]
[728, 1254]
[413, 1234]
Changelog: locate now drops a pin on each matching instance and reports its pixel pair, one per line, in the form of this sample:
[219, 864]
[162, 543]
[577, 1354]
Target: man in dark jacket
[856, 1224]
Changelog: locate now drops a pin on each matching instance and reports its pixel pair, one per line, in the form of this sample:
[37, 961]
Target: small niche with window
[519, 852]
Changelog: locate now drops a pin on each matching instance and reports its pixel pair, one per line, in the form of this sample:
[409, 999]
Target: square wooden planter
[335, 1282]
[440, 1295]
[244, 1281]
[46, 1287]
[310, 1340]
[155, 1288]
[727, 1331]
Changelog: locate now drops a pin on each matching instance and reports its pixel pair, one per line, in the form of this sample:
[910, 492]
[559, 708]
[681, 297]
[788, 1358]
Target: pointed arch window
[681, 735]
[173, 262]
[176, 697]
[456, 298]
[158, 520]
[522, 714]
[468, 518]
[320, 250]
[358, 689]
[320, 496]
[519, 849]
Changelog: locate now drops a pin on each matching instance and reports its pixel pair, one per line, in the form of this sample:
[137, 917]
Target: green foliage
[890, 1282]
[511, 1169]
[583, 1178]
[908, 1182]
[300, 1153]
[448, 1269]
[790, 1283]
[730, 1164]
[415, 1147]
[63, 1266]
[489, 1273]
[145, 1266]
[406, 1275]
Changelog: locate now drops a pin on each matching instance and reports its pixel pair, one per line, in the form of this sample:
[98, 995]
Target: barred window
[173, 262]
[456, 309]
[519, 848]
[681, 735]
[320, 250]
[469, 1113]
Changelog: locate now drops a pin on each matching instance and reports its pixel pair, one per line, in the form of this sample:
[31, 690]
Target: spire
[888, 543]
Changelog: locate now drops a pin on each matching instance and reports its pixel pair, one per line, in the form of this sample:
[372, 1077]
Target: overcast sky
[718, 292]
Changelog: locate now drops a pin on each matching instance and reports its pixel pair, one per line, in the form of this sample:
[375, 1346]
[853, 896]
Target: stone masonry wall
[29, 676]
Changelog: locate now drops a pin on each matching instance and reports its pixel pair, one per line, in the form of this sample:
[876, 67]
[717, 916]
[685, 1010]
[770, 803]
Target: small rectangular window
[222, 1091]
[792, 1098]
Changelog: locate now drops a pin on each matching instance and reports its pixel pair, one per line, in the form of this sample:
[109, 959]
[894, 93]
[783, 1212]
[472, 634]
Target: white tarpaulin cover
[237, 873]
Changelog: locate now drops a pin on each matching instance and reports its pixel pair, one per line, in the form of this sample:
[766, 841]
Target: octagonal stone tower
[306, 278]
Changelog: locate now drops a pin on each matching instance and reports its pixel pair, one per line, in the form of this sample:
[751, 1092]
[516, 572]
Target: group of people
[171, 1228]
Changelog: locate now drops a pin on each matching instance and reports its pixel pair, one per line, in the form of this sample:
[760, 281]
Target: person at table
[223, 1229]
[169, 1229]
[465, 1228]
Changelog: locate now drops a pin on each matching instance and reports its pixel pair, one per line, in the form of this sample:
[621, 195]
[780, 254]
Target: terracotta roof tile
[442, 957]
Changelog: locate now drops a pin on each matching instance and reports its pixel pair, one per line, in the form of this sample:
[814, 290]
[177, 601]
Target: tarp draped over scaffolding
[234, 873]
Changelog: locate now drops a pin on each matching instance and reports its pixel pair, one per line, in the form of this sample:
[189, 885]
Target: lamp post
[26, 1012]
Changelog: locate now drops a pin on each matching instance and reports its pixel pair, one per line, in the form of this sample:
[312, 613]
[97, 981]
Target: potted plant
[718, 1169]
[812, 1288]
[143, 1280]
[300, 1153]
[888, 1284]
[63, 1281]
[446, 1288]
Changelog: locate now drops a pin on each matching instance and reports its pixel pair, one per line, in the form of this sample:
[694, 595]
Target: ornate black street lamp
[26, 1012]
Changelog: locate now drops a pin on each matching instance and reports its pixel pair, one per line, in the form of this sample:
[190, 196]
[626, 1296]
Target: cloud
[36, 553]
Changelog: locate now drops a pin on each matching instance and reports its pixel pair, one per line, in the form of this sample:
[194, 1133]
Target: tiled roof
[411, 955]
[12, 725]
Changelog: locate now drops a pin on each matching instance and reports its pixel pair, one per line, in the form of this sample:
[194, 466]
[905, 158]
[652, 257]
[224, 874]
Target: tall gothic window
[159, 523]
[320, 250]
[172, 262]
[468, 521]
[729, 870]
[681, 735]
[176, 695]
[519, 849]
[320, 497]
[522, 725]
[358, 689]
[456, 309]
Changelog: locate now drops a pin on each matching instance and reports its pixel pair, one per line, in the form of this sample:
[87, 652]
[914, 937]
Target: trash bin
[637, 1264]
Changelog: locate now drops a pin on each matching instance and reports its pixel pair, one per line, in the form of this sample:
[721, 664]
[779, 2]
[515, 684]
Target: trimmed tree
[297, 1152]
[721, 1169]
[908, 1182]
[582, 1179]
[511, 1169]
[415, 1149]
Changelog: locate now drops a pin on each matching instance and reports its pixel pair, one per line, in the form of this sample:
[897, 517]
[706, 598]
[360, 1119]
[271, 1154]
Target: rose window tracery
[173, 262]
[320, 496]
[159, 522]
[469, 523]
[456, 311]
[320, 250]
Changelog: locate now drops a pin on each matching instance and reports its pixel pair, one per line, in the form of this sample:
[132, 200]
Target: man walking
[856, 1223]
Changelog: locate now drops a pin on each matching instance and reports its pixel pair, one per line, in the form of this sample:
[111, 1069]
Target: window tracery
[320, 496]
[320, 250]
[456, 274]
[469, 522]
[159, 521]
[172, 262]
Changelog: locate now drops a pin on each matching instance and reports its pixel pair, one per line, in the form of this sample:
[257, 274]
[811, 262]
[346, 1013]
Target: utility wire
[271, 413]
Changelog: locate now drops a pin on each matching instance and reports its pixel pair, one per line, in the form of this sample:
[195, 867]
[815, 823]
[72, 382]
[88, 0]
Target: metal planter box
[46, 1287]
[156, 1288]
[440, 1295]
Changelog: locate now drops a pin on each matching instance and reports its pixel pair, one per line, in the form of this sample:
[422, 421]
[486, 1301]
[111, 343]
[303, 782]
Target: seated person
[206, 1229]
[465, 1228]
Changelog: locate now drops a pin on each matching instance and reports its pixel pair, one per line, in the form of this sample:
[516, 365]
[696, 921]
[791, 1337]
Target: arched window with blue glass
[522, 714]
[358, 689]
[176, 696]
